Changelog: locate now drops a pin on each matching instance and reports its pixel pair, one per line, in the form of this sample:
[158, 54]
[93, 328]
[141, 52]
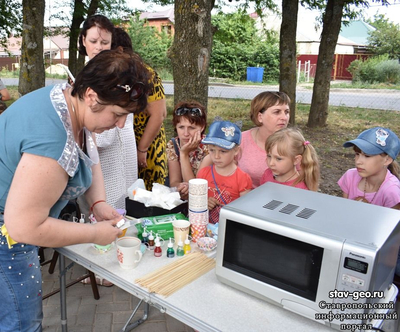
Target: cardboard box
[137, 210]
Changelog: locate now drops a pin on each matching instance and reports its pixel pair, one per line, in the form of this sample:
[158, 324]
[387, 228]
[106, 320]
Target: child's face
[278, 164]
[368, 165]
[221, 157]
[186, 130]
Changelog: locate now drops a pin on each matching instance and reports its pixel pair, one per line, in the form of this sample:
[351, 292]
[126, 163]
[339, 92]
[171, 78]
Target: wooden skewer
[174, 276]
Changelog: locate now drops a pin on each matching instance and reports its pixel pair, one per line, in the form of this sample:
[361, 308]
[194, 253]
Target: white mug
[128, 252]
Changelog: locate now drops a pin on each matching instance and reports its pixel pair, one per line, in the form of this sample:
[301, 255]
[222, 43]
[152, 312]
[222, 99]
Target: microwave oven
[327, 258]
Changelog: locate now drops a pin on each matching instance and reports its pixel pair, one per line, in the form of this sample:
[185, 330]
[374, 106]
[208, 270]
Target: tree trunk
[191, 50]
[32, 76]
[332, 22]
[287, 78]
[77, 61]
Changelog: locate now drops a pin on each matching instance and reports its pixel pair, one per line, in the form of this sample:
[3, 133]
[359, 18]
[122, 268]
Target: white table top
[206, 304]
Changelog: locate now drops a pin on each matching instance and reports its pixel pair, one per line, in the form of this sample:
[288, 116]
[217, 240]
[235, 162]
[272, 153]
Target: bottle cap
[151, 236]
[157, 243]
[170, 244]
[180, 243]
[145, 232]
[187, 240]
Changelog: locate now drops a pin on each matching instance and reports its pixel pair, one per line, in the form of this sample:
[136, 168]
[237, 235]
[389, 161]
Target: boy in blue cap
[226, 181]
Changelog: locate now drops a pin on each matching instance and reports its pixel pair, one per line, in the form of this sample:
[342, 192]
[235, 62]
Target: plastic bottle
[179, 250]
[157, 249]
[151, 240]
[186, 248]
[145, 236]
[170, 250]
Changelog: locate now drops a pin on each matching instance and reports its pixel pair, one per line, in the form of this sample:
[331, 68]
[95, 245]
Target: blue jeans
[21, 287]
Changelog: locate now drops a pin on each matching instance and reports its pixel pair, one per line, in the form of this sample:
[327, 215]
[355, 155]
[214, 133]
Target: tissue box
[138, 210]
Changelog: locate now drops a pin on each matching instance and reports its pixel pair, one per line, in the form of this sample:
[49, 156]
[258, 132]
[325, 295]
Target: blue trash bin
[255, 74]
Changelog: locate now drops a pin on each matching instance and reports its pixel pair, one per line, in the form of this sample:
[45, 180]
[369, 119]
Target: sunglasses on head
[136, 90]
[191, 111]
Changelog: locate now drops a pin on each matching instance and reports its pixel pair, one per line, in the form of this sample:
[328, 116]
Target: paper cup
[129, 252]
[198, 203]
[198, 230]
[198, 217]
[198, 187]
[181, 229]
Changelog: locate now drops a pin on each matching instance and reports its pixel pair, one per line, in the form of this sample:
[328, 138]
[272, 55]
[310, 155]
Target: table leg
[130, 327]
[63, 294]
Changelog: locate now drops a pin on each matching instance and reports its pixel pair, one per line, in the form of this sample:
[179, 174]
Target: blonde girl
[291, 160]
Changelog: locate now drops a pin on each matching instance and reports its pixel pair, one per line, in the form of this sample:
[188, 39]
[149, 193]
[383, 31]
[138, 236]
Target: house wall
[162, 24]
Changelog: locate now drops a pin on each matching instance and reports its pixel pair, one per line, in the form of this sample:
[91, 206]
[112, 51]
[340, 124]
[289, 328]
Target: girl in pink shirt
[291, 160]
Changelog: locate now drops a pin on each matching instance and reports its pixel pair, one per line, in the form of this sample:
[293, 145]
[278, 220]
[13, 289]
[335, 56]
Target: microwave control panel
[353, 281]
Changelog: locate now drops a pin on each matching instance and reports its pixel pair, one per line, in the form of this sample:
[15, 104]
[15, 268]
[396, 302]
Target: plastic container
[255, 74]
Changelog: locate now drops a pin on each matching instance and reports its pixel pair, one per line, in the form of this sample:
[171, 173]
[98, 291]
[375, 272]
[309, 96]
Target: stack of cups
[198, 208]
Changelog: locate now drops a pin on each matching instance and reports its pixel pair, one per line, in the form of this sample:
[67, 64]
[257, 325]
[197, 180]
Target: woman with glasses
[270, 112]
[185, 152]
[48, 157]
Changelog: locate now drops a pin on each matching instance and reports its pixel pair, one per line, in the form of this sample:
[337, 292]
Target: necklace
[365, 188]
[287, 180]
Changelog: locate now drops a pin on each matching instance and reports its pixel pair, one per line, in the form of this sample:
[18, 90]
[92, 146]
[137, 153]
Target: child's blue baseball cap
[224, 134]
[376, 141]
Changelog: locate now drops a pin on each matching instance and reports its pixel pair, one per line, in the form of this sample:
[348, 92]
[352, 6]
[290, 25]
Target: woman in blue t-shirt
[48, 157]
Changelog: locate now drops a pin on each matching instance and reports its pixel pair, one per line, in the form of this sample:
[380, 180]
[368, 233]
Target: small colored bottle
[151, 240]
[186, 248]
[145, 236]
[157, 249]
[179, 250]
[170, 250]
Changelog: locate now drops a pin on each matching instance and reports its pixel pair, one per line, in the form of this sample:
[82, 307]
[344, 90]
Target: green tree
[386, 38]
[150, 44]
[238, 44]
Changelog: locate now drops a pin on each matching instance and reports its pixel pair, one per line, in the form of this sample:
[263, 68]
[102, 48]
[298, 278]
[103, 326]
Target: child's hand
[183, 189]
[192, 144]
[212, 203]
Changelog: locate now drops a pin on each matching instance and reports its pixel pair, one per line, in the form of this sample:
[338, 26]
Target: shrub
[375, 70]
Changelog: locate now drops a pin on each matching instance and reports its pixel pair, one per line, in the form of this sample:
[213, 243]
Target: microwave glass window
[356, 265]
[274, 259]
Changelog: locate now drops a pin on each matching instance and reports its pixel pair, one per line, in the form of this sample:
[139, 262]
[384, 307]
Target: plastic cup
[129, 252]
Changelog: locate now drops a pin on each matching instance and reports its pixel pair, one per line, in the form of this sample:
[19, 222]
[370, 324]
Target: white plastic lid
[151, 236]
[170, 244]
[187, 240]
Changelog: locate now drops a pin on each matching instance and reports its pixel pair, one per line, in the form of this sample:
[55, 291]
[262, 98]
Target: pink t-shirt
[253, 159]
[229, 187]
[269, 177]
[388, 194]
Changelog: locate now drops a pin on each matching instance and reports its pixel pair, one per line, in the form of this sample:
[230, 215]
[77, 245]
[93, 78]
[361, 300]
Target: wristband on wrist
[100, 201]
[142, 151]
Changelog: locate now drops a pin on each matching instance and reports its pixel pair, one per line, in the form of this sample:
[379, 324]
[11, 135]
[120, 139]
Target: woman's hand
[106, 232]
[103, 211]
[183, 189]
[192, 144]
[142, 159]
[212, 203]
